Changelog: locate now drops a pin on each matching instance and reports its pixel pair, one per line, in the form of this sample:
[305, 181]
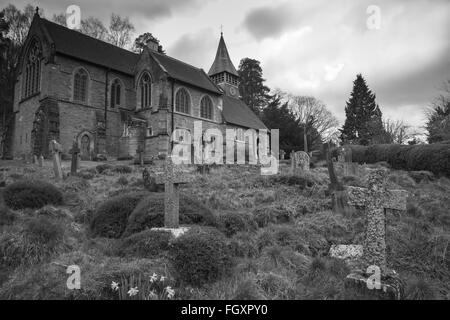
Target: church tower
[222, 72]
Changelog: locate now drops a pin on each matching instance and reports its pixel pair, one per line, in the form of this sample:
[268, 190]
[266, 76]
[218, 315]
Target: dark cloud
[267, 22]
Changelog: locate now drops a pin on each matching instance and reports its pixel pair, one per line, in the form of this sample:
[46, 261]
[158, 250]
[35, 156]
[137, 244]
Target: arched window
[32, 71]
[206, 108]
[145, 90]
[115, 93]
[80, 85]
[182, 101]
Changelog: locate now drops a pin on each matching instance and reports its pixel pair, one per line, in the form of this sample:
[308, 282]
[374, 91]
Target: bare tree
[314, 115]
[438, 116]
[19, 22]
[120, 30]
[397, 131]
[60, 19]
[94, 27]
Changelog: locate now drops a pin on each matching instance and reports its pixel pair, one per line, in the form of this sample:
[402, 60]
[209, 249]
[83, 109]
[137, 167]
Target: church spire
[222, 62]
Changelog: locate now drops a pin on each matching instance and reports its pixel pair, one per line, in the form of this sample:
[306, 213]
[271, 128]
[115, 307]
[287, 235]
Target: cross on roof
[376, 198]
[171, 180]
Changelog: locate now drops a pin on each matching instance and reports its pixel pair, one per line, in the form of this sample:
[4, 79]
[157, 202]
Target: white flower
[133, 291]
[170, 292]
[153, 277]
[162, 278]
[152, 294]
[114, 286]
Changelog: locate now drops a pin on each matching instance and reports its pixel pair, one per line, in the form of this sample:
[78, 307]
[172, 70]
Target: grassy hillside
[268, 237]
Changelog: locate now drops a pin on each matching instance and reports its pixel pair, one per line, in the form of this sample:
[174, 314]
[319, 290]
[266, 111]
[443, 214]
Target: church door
[85, 148]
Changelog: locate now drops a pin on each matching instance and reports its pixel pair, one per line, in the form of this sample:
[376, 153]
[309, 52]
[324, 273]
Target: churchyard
[222, 232]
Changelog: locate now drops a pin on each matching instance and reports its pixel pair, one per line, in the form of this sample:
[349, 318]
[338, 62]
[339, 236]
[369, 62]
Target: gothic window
[206, 108]
[115, 93]
[32, 71]
[182, 101]
[80, 86]
[145, 91]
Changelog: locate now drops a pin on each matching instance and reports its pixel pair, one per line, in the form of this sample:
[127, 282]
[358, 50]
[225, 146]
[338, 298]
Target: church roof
[222, 62]
[185, 72]
[78, 45]
[75, 44]
[236, 112]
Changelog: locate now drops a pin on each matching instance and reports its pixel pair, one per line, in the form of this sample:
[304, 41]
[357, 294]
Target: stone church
[112, 101]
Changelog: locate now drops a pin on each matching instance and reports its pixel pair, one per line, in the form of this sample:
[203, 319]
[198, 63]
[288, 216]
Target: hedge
[430, 157]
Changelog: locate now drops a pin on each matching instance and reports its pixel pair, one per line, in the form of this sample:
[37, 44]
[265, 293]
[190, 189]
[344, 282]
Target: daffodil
[162, 278]
[133, 291]
[170, 292]
[153, 277]
[152, 294]
[114, 286]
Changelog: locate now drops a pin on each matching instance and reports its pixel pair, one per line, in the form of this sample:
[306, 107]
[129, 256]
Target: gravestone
[299, 159]
[282, 154]
[56, 150]
[40, 160]
[339, 203]
[35, 159]
[140, 152]
[75, 151]
[376, 199]
[350, 167]
[171, 179]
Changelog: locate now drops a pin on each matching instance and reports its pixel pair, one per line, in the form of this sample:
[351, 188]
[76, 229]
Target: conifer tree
[363, 123]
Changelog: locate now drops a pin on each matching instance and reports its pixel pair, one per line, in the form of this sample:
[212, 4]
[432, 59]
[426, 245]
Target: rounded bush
[145, 244]
[149, 213]
[201, 256]
[6, 216]
[31, 194]
[110, 218]
[43, 231]
[267, 215]
[103, 167]
[233, 222]
[122, 169]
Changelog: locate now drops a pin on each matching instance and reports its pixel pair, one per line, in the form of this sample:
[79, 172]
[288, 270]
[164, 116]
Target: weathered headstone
[75, 151]
[282, 154]
[40, 160]
[171, 180]
[56, 150]
[35, 159]
[376, 199]
[140, 152]
[303, 160]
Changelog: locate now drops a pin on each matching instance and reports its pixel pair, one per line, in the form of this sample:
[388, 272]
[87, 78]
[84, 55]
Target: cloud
[197, 48]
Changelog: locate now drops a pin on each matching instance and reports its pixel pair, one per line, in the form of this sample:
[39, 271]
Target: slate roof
[185, 72]
[222, 62]
[236, 112]
[75, 44]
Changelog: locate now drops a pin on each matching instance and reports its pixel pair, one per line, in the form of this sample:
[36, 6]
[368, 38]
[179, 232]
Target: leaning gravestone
[75, 151]
[56, 150]
[171, 180]
[376, 199]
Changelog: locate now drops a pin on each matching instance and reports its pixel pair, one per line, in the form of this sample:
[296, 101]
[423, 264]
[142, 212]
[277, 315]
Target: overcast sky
[305, 47]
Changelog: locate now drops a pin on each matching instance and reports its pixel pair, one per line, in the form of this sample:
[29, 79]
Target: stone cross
[171, 180]
[56, 150]
[376, 199]
[140, 152]
[75, 151]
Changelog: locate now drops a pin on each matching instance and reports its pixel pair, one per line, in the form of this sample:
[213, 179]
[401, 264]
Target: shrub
[122, 169]
[149, 213]
[201, 256]
[39, 239]
[233, 222]
[31, 194]
[243, 245]
[266, 215]
[110, 218]
[145, 244]
[103, 167]
[7, 217]
[432, 157]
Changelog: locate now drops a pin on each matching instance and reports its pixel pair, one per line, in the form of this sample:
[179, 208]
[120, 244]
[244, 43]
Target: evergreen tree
[251, 87]
[363, 123]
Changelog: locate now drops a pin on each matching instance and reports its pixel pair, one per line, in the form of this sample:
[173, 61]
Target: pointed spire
[222, 62]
